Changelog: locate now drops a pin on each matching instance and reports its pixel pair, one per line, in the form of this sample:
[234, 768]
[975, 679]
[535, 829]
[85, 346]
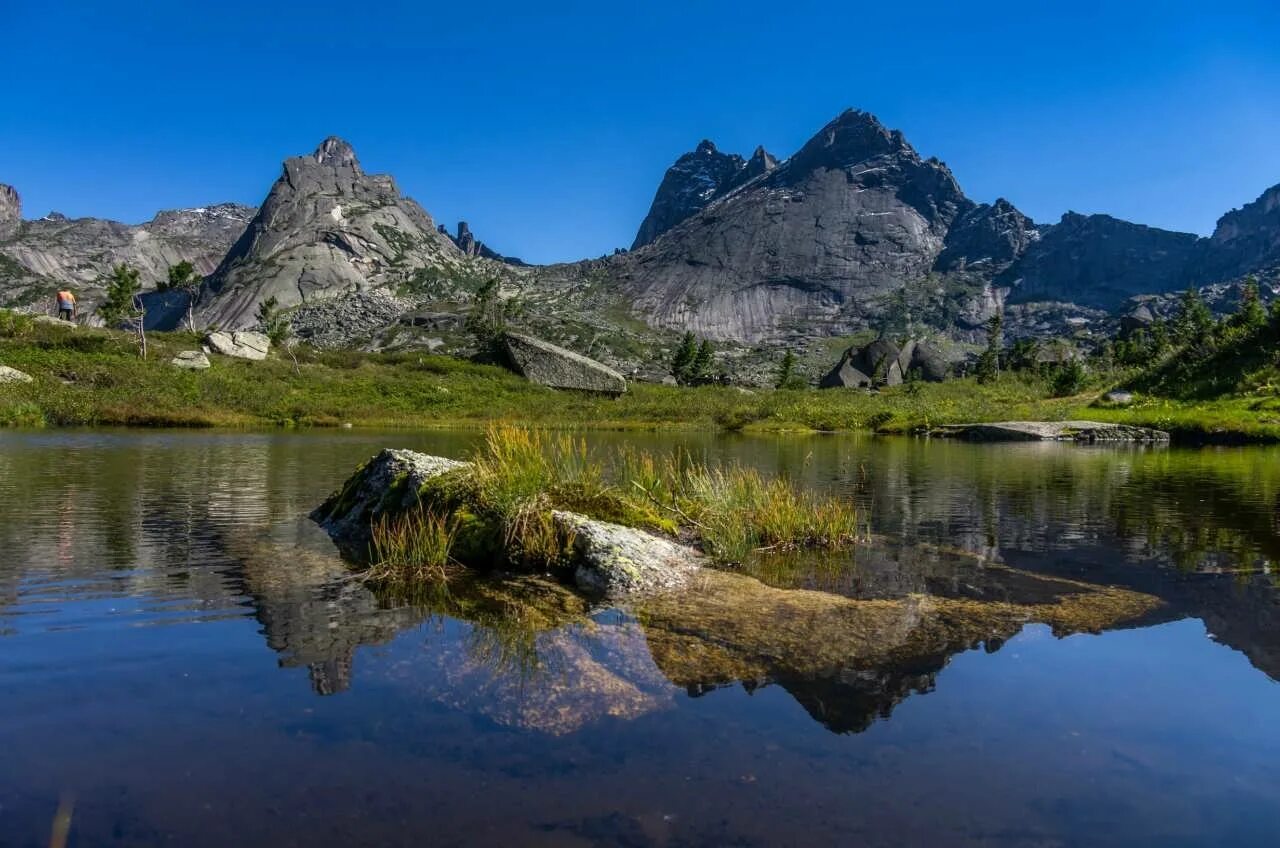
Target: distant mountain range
[854, 230]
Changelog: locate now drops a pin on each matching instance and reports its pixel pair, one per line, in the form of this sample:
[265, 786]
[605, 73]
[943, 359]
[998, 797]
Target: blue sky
[549, 125]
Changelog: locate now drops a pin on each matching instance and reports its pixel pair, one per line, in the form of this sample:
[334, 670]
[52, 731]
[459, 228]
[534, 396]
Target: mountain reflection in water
[967, 545]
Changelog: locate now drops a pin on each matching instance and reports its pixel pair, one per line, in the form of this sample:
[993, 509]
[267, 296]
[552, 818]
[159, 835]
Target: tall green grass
[518, 477]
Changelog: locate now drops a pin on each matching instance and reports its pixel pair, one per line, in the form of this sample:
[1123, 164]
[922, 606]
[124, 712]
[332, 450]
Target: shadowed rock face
[1097, 260]
[987, 239]
[325, 229]
[1245, 239]
[694, 181]
[818, 239]
[10, 210]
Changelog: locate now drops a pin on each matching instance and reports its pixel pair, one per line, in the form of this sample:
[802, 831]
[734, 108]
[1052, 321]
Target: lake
[1036, 645]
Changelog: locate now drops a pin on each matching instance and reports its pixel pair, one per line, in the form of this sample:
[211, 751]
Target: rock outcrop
[243, 344]
[1052, 431]
[1245, 240]
[387, 484]
[325, 229]
[10, 210]
[987, 239]
[551, 365]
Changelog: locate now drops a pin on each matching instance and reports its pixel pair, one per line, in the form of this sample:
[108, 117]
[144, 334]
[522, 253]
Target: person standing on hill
[66, 305]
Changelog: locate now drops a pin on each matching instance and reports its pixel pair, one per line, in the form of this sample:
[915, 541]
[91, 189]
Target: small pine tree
[682, 362]
[700, 370]
[1194, 321]
[183, 277]
[787, 377]
[487, 320]
[988, 368]
[273, 322]
[122, 303]
[1251, 316]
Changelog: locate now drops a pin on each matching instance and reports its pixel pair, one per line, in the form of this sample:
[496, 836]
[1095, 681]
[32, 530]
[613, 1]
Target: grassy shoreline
[86, 377]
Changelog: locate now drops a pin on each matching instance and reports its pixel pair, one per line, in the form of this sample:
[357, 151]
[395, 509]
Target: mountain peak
[706, 146]
[336, 152]
[852, 136]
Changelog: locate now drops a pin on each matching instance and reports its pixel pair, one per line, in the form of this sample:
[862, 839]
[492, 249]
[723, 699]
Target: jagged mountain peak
[335, 151]
[705, 147]
[851, 137]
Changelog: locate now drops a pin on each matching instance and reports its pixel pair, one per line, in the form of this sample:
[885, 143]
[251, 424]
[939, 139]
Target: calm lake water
[182, 661]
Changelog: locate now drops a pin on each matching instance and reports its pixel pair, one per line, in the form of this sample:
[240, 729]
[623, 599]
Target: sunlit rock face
[326, 228]
[39, 255]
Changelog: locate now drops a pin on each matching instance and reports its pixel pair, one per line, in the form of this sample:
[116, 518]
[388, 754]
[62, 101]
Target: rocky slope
[39, 255]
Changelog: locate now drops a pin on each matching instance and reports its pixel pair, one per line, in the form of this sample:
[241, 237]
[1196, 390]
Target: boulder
[244, 344]
[54, 322]
[1118, 397]
[550, 365]
[192, 360]
[388, 483]
[882, 363]
[614, 561]
[1138, 318]
[13, 375]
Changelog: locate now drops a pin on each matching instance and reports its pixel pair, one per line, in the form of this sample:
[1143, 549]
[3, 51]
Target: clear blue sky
[549, 125]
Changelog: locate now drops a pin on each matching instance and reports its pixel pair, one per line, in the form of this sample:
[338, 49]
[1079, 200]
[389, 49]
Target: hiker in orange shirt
[66, 305]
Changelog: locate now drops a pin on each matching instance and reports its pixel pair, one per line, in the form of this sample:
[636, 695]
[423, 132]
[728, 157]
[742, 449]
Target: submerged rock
[388, 483]
[1052, 431]
[244, 344]
[613, 560]
[13, 375]
[550, 365]
[192, 360]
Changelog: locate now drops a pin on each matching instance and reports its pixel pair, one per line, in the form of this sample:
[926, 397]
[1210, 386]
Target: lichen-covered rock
[615, 561]
[13, 375]
[191, 360]
[551, 365]
[388, 483]
[244, 344]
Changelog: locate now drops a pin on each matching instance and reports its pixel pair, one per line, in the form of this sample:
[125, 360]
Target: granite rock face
[325, 229]
[694, 181]
[10, 210]
[551, 365]
[1097, 260]
[1245, 240]
[39, 256]
[987, 239]
[814, 242]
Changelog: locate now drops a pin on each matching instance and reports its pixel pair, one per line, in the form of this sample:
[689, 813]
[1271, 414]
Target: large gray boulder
[244, 344]
[387, 484]
[13, 375]
[882, 363]
[551, 365]
[616, 561]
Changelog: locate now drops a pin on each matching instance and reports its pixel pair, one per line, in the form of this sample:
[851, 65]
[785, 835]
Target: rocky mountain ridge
[37, 256]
